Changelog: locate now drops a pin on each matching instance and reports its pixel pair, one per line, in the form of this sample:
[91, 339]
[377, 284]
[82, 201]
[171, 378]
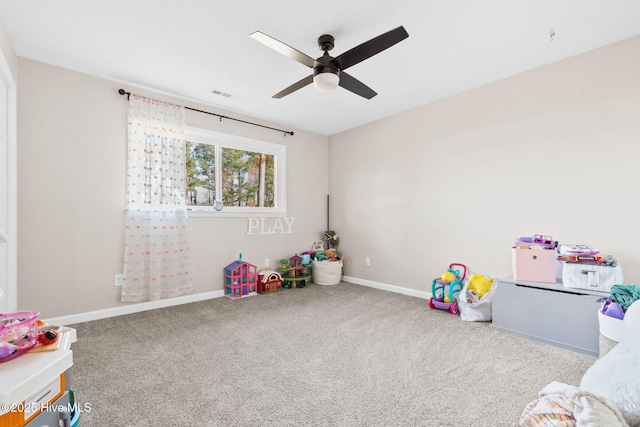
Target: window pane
[247, 178]
[201, 174]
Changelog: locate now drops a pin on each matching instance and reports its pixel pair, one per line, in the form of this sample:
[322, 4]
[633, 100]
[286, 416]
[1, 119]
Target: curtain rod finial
[124, 92]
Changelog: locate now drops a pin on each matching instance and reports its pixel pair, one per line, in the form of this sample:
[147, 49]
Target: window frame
[220, 140]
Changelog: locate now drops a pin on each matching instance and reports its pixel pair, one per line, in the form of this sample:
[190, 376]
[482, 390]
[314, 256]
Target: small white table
[34, 380]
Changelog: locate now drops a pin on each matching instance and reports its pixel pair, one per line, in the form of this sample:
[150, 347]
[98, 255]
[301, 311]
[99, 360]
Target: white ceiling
[191, 47]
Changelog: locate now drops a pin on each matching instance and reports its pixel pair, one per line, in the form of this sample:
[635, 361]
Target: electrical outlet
[118, 281]
[367, 261]
[266, 262]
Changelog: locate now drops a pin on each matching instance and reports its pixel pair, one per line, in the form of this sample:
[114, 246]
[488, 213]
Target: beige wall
[552, 151]
[71, 193]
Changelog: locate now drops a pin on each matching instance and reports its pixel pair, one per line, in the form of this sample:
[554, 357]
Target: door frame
[9, 273]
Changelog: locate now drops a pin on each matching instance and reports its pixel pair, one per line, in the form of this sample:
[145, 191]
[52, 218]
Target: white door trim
[8, 237]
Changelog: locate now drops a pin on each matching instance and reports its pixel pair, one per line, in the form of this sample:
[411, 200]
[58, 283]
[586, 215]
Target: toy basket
[594, 277]
[327, 272]
[18, 334]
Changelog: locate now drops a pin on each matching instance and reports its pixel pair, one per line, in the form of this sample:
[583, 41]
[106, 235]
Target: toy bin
[326, 272]
[610, 332]
[595, 277]
[610, 327]
[534, 265]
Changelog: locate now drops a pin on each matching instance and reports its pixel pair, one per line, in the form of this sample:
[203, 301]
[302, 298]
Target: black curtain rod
[124, 92]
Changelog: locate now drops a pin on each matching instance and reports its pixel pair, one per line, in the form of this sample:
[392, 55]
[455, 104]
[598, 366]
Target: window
[246, 175]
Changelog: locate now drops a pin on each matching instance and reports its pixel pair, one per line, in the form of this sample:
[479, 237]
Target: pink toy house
[240, 279]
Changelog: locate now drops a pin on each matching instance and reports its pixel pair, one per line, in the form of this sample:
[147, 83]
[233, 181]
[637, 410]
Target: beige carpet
[343, 355]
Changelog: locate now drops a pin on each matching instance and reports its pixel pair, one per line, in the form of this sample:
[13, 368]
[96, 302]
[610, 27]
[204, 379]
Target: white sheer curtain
[157, 259]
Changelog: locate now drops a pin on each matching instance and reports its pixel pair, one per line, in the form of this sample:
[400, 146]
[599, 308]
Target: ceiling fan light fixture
[325, 82]
[328, 71]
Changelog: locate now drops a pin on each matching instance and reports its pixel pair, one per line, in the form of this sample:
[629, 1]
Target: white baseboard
[386, 287]
[169, 302]
[132, 308]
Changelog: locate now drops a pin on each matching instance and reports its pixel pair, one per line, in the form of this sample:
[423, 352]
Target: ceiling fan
[328, 72]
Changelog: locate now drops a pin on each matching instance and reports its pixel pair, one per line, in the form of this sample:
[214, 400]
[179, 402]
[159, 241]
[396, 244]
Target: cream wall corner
[553, 151]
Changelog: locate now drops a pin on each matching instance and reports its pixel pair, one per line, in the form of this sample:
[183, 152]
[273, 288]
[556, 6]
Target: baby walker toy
[445, 289]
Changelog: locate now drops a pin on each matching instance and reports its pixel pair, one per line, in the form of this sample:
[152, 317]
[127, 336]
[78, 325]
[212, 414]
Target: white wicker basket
[326, 272]
[594, 277]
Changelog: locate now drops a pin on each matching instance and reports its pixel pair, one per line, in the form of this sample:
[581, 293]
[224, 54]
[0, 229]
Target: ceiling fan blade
[282, 48]
[370, 48]
[294, 87]
[356, 86]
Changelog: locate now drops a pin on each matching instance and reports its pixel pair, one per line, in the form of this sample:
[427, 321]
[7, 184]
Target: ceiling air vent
[224, 94]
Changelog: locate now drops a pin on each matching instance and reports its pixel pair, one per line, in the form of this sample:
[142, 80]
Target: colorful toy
[479, 285]
[445, 289]
[295, 274]
[240, 279]
[331, 237]
[18, 334]
[318, 246]
[269, 281]
[47, 337]
[320, 256]
[541, 240]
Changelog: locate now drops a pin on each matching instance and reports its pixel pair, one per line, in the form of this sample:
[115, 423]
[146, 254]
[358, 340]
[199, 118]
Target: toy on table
[48, 337]
[445, 289]
[18, 334]
[294, 272]
[240, 279]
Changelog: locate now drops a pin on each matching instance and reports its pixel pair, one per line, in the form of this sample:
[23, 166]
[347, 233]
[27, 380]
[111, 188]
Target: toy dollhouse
[269, 281]
[294, 272]
[240, 279]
